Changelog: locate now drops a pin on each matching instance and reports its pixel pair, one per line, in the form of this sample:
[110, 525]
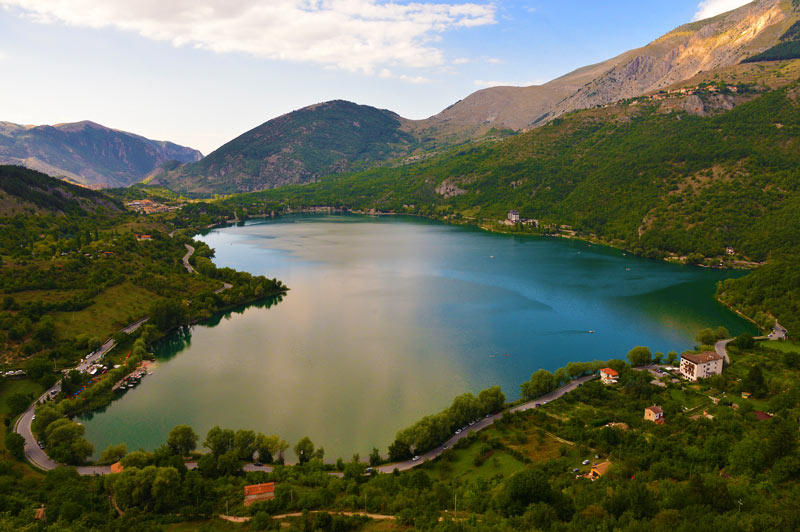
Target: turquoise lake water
[389, 318]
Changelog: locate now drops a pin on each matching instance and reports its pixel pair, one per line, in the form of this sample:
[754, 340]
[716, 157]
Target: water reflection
[388, 319]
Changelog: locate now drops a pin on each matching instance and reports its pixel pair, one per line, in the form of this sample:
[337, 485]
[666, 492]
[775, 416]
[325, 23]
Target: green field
[113, 309]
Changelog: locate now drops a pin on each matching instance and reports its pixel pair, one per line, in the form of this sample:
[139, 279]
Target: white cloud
[494, 60]
[461, 60]
[356, 35]
[711, 8]
[388, 74]
[484, 83]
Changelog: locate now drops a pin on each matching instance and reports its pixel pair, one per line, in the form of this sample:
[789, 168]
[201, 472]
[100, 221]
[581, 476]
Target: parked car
[415, 459]
[585, 462]
[458, 431]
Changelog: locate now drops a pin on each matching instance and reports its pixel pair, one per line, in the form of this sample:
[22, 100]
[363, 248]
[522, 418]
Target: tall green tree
[304, 450]
[639, 356]
[182, 440]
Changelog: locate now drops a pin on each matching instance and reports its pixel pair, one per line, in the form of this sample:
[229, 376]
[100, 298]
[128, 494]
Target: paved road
[778, 333]
[482, 424]
[719, 347]
[23, 425]
[189, 252]
[225, 286]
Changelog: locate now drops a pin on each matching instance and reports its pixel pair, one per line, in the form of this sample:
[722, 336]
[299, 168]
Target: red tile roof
[609, 371]
[259, 489]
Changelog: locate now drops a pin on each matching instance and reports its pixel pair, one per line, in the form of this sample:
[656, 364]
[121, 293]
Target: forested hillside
[298, 147]
[74, 270]
[646, 175]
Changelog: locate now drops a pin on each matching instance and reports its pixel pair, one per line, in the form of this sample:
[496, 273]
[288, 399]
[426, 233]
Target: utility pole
[365, 503]
[455, 504]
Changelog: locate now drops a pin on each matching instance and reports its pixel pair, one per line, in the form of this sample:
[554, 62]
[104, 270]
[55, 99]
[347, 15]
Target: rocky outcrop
[718, 42]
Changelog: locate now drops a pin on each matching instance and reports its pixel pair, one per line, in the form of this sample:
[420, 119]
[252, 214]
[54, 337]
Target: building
[701, 366]
[609, 376]
[654, 414]
[598, 470]
[258, 492]
[513, 216]
[117, 467]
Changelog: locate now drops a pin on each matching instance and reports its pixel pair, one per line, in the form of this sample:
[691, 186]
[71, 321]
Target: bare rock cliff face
[677, 56]
[719, 42]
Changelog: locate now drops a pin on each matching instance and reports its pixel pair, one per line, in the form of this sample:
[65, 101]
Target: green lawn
[786, 346]
[462, 464]
[113, 309]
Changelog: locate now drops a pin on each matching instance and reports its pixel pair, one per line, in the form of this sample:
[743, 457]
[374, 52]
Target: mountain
[27, 191]
[340, 136]
[718, 42]
[297, 147]
[694, 175]
[87, 153]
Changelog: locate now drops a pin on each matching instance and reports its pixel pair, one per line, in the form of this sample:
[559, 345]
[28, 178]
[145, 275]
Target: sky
[201, 72]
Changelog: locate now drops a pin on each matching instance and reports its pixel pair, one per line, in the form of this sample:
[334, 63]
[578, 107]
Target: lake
[388, 318]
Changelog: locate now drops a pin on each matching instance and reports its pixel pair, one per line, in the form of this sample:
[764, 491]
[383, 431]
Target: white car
[458, 431]
[415, 459]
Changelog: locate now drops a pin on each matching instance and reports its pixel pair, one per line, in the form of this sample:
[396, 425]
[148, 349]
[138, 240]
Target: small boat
[505, 355]
[627, 269]
[149, 372]
[491, 356]
[591, 332]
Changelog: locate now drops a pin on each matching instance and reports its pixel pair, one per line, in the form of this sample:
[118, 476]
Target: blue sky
[200, 72]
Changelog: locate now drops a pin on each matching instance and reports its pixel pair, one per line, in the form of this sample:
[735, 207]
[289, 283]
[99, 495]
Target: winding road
[33, 453]
[482, 424]
[40, 459]
[37, 456]
[190, 269]
[189, 253]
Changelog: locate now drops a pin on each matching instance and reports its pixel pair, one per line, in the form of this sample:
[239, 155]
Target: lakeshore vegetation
[717, 463]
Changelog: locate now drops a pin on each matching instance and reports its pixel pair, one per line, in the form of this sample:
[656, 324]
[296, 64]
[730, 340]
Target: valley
[545, 307]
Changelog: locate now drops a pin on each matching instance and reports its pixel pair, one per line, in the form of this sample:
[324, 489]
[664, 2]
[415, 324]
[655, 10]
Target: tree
[672, 356]
[743, 341]
[706, 337]
[639, 356]
[541, 383]
[15, 445]
[168, 314]
[244, 441]
[304, 449]
[754, 382]
[219, 441]
[182, 440]
[17, 403]
[45, 330]
[374, 457]
[113, 453]
[66, 442]
[524, 488]
[491, 400]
